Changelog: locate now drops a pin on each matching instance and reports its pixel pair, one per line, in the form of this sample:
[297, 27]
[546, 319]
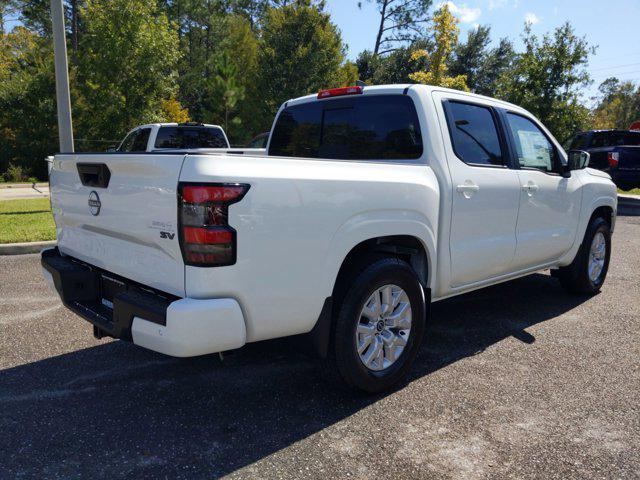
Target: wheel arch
[602, 206]
[416, 245]
[412, 238]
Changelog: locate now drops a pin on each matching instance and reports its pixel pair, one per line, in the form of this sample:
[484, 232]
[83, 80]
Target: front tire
[588, 271]
[379, 326]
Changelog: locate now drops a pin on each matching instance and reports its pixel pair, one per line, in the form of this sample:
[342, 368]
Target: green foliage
[127, 66]
[395, 67]
[618, 105]
[300, 52]
[28, 127]
[547, 77]
[401, 22]
[233, 62]
[481, 65]
[227, 88]
[445, 37]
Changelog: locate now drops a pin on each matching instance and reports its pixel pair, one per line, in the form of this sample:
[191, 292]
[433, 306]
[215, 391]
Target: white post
[63, 97]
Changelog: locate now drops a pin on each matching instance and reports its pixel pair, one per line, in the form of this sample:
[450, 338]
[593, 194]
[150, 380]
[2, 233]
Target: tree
[547, 77]
[445, 37]
[482, 65]
[618, 105]
[300, 52]
[401, 22]
[229, 92]
[468, 57]
[127, 66]
[28, 127]
[495, 64]
[8, 10]
[395, 67]
[172, 111]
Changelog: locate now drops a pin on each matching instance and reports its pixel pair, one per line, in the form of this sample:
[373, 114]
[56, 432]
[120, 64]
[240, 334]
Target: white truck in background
[371, 203]
[173, 136]
[182, 137]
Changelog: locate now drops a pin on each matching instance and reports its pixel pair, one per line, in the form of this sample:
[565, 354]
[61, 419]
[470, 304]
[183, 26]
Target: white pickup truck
[173, 136]
[371, 204]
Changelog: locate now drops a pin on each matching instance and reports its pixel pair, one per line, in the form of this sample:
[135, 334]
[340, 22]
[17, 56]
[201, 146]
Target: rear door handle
[530, 188]
[468, 189]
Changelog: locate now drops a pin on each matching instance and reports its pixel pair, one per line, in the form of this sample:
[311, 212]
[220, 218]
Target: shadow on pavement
[118, 410]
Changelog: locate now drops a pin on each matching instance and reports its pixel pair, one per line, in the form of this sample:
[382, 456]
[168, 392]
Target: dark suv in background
[616, 152]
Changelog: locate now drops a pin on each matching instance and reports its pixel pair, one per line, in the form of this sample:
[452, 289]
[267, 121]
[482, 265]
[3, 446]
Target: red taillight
[339, 92]
[613, 158]
[206, 238]
[201, 194]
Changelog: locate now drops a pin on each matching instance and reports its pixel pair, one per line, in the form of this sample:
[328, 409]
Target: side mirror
[578, 160]
[112, 148]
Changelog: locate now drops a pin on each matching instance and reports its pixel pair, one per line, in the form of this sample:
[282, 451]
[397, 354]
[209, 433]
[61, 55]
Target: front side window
[182, 138]
[474, 134]
[533, 148]
[380, 127]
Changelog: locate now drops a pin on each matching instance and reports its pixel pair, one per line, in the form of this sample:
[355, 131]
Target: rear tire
[588, 271]
[374, 342]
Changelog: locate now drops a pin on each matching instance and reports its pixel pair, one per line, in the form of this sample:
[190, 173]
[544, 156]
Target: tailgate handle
[94, 174]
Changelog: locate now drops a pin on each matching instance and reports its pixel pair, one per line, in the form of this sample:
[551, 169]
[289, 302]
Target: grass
[26, 221]
[635, 191]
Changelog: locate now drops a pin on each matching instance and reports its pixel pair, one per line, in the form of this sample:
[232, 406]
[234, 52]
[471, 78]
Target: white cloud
[463, 12]
[531, 18]
[493, 4]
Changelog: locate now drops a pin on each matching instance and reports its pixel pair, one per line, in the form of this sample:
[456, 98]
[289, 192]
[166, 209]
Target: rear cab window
[182, 138]
[362, 127]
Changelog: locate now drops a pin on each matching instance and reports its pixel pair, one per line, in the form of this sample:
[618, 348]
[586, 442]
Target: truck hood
[598, 173]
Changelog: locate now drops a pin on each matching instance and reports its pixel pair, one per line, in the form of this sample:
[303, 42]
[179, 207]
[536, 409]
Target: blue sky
[612, 25]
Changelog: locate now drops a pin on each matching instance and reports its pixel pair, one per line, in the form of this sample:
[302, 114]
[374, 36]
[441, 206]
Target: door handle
[530, 188]
[468, 189]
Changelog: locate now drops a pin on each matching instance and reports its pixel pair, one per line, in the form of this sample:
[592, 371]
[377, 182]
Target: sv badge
[167, 235]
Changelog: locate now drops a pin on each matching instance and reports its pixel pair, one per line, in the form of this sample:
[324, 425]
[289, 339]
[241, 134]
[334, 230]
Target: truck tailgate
[629, 158]
[119, 212]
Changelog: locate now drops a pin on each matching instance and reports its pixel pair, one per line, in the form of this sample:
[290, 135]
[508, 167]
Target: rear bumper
[625, 178]
[178, 327]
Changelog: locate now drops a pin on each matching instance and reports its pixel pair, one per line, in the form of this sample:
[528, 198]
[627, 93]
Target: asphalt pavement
[519, 380]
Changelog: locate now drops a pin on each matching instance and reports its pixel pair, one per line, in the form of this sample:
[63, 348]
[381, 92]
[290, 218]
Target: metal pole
[63, 97]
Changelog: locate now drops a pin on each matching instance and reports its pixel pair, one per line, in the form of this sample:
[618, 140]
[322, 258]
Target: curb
[23, 185]
[22, 248]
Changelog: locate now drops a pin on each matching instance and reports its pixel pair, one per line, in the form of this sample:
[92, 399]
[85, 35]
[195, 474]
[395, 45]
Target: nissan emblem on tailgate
[94, 203]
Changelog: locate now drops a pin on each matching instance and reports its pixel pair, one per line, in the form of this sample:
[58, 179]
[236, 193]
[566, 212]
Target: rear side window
[141, 141]
[136, 141]
[183, 138]
[579, 142]
[380, 127]
[474, 134]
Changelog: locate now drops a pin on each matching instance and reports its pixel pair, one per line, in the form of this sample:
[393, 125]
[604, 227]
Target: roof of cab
[174, 124]
[399, 89]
